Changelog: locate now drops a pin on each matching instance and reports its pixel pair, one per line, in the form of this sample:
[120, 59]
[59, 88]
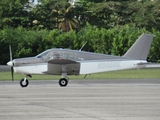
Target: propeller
[12, 71]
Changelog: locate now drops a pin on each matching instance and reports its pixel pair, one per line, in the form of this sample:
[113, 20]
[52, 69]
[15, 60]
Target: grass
[133, 74]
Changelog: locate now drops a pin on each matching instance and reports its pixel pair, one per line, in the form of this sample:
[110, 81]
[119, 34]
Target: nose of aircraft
[10, 63]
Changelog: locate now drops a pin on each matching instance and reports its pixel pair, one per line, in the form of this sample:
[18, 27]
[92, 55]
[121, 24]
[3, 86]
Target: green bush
[115, 41]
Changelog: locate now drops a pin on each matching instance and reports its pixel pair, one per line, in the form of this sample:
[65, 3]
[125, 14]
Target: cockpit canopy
[57, 54]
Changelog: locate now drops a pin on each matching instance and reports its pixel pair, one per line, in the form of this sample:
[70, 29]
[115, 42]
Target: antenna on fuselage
[83, 46]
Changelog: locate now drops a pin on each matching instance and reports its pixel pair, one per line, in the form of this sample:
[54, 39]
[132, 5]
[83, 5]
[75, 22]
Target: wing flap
[59, 66]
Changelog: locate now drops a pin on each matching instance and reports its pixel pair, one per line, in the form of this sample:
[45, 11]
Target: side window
[69, 56]
[43, 55]
[54, 55]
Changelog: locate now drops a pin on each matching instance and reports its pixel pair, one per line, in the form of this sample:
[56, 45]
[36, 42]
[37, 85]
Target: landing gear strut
[63, 81]
[24, 82]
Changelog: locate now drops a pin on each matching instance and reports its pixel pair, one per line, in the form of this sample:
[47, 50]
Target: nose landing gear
[24, 82]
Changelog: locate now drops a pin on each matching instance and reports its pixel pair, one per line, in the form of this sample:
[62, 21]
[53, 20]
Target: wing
[59, 66]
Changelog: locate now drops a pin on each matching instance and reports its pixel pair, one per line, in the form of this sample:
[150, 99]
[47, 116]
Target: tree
[68, 22]
[146, 16]
[13, 13]
[48, 13]
[108, 14]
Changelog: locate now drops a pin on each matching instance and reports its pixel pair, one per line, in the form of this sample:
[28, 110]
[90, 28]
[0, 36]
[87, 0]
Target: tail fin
[139, 50]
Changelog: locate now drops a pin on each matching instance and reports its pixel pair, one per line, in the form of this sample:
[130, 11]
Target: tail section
[139, 50]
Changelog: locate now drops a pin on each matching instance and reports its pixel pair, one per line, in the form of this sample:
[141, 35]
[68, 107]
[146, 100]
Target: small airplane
[65, 62]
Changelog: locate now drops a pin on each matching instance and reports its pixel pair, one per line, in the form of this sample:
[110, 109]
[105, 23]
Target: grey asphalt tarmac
[4, 68]
[127, 99]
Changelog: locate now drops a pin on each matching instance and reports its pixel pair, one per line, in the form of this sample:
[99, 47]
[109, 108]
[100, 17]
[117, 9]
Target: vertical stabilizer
[139, 50]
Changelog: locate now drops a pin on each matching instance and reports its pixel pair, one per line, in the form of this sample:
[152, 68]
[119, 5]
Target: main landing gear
[63, 81]
[24, 82]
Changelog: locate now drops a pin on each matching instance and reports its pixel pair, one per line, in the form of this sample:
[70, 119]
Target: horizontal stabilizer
[139, 50]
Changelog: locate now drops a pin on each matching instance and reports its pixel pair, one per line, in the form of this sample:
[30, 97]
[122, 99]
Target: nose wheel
[24, 82]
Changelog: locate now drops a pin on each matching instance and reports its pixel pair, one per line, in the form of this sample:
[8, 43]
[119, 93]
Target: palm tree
[68, 22]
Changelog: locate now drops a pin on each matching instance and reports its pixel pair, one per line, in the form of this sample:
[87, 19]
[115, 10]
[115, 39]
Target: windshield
[43, 54]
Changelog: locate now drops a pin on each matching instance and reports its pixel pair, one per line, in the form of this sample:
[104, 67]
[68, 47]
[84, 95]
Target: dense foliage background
[110, 27]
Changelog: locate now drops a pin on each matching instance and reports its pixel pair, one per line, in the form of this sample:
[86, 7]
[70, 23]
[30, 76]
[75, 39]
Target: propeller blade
[10, 51]
[12, 70]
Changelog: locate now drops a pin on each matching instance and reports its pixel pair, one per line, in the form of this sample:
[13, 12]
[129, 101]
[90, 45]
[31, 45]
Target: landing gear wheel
[24, 83]
[63, 82]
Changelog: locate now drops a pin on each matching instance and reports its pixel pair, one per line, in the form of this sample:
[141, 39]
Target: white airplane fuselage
[85, 67]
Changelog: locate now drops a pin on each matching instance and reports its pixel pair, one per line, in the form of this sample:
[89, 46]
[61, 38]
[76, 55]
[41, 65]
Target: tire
[24, 84]
[63, 82]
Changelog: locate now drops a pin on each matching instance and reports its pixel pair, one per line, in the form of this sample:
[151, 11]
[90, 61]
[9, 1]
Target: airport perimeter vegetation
[148, 73]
